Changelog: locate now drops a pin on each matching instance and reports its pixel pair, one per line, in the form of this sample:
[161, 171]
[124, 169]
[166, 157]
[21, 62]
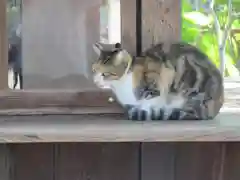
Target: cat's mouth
[100, 82]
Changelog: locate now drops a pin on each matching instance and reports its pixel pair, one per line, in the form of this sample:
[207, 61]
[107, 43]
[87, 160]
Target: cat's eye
[106, 74]
[107, 59]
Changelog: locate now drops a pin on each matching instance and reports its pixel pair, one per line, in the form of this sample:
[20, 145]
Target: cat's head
[112, 64]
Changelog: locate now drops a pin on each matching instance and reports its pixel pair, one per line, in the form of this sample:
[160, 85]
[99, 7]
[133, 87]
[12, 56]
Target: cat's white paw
[157, 108]
[154, 107]
[162, 106]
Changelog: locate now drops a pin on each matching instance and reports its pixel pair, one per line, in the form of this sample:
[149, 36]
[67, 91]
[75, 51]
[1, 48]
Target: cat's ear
[97, 48]
[118, 46]
[123, 56]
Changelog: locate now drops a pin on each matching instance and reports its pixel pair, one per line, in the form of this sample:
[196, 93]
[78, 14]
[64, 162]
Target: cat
[179, 83]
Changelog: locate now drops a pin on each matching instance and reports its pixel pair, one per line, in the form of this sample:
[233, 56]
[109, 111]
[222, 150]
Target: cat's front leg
[134, 113]
[139, 86]
[191, 92]
[195, 108]
[144, 113]
[145, 93]
[188, 115]
[153, 107]
[141, 92]
[199, 76]
[137, 114]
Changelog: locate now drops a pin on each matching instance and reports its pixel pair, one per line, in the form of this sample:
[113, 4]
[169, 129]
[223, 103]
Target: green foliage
[198, 29]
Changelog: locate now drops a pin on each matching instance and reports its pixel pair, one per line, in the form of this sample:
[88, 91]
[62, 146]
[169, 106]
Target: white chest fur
[123, 90]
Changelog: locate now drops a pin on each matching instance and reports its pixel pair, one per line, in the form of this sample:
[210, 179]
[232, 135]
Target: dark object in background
[15, 63]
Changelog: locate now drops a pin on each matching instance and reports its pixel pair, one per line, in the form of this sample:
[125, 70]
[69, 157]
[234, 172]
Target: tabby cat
[178, 84]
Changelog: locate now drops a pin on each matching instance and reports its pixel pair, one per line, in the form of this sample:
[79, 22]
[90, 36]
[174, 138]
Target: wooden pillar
[161, 21]
[3, 46]
[92, 31]
[128, 25]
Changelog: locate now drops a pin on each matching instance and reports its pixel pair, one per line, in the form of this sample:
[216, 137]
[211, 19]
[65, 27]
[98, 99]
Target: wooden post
[161, 22]
[128, 25]
[3, 46]
[5, 162]
[92, 25]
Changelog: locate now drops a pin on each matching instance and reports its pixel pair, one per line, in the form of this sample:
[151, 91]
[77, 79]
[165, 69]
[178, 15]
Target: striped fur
[177, 83]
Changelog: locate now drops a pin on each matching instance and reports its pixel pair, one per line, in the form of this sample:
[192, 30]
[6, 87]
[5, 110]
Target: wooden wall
[120, 161]
[57, 42]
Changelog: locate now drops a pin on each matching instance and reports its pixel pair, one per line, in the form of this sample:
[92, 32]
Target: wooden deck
[67, 125]
[74, 129]
[232, 93]
[59, 124]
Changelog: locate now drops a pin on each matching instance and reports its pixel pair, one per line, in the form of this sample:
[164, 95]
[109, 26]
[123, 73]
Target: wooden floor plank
[87, 128]
[96, 161]
[158, 161]
[232, 162]
[197, 161]
[5, 162]
[33, 161]
[85, 121]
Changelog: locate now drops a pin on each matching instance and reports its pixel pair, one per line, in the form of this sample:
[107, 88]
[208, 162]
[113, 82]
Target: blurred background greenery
[198, 28]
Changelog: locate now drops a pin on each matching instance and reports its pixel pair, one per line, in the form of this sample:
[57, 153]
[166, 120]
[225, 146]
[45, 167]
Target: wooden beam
[3, 46]
[39, 102]
[51, 98]
[71, 128]
[161, 22]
